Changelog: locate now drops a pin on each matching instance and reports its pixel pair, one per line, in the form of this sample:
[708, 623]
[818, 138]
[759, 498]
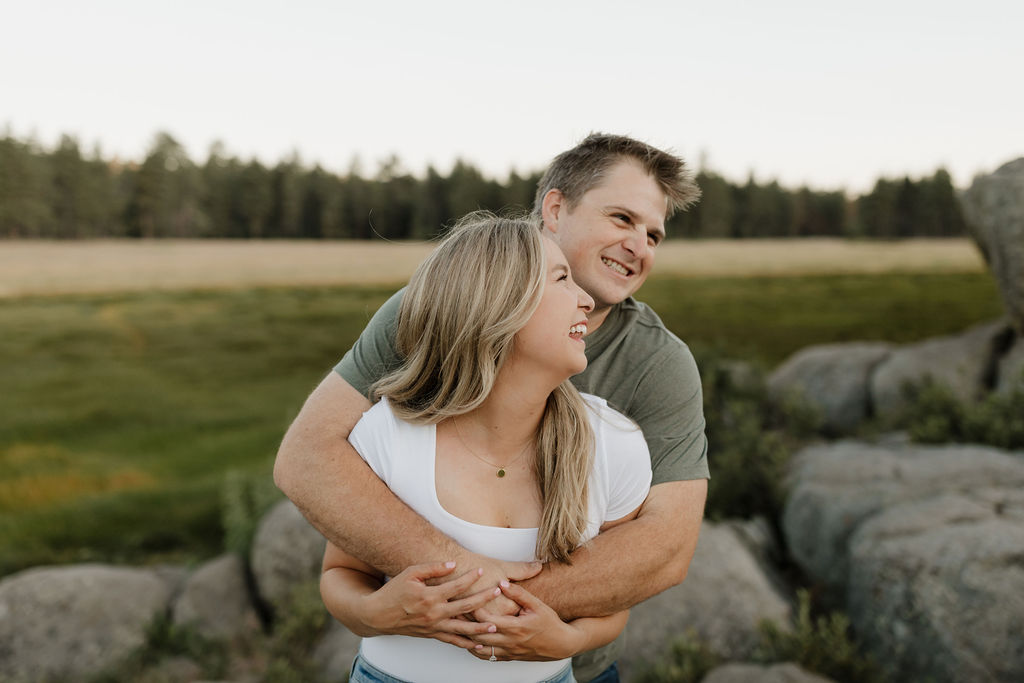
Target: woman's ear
[551, 209]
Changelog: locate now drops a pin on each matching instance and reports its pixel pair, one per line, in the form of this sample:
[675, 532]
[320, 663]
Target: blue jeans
[364, 672]
[609, 675]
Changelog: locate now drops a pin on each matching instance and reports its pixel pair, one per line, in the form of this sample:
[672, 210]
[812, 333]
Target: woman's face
[553, 336]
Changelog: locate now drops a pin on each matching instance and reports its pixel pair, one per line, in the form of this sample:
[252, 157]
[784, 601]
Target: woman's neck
[511, 414]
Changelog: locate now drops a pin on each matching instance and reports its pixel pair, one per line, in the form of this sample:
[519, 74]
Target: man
[605, 203]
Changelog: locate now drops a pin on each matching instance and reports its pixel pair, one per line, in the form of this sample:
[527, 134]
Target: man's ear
[551, 209]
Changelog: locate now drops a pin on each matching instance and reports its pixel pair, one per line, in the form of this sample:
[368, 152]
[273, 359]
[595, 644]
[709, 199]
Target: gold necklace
[501, 468]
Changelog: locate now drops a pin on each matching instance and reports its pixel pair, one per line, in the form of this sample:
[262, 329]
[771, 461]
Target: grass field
[48, 267]
[123, 412]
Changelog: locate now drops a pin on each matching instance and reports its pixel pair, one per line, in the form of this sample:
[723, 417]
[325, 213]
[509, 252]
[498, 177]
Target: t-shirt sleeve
[669, 408]
[629, 465]
[373, 355]
[372, 436]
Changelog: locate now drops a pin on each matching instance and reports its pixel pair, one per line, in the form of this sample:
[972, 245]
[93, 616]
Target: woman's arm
[356, 595]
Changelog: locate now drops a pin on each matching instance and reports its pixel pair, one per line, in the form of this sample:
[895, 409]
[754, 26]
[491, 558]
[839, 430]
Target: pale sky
[829, 94]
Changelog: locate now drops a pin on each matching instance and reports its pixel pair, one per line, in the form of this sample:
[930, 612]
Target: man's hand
[536, 633]
[493, 573]
[406, 605]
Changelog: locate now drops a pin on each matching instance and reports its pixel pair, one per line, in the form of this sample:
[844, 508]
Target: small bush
[164, 640]
[936, 416]
[245, 497]
[821, 644]
[689, 661]
[300, 620]
[750, 439]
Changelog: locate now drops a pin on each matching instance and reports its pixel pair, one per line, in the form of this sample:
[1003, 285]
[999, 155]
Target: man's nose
[636, 243]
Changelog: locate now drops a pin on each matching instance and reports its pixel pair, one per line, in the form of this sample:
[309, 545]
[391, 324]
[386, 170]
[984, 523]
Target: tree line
[64, 193]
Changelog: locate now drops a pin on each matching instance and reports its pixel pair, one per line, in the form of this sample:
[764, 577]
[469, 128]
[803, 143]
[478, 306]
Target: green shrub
[821, 644]
[689, 661]
[936, 416]
[750, 438]
[300, 621]
[165, 639]
[245, 497]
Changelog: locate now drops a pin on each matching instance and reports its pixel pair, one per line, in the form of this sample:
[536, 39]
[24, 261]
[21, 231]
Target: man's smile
[616, 266]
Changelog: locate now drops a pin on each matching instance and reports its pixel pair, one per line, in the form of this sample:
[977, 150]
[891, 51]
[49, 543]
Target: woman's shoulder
[604, 417]
[381, 418]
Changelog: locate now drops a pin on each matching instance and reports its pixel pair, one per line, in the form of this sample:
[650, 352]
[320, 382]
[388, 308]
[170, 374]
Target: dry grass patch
[45, 267]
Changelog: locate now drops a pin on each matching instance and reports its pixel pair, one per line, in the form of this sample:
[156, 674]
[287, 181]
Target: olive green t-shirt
[633, 362]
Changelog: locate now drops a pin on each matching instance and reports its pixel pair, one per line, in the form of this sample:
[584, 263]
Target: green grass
[767, 319]
[120, 415]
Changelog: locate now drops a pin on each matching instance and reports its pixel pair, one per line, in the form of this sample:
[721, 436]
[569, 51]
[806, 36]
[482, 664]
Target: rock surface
[70, 623]
[833, 378]
[334, 653]
[215, 600]
[925, 543]
[994, 208]
[286, 552]
[774, 673]
[963, 363]
[726, 593]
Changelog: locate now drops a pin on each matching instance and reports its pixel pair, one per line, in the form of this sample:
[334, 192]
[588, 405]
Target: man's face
[609, 237]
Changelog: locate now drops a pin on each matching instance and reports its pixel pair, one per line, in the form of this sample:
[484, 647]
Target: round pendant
[501, 473]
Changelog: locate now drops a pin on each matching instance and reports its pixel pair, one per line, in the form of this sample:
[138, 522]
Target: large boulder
[215, 600]
[924, 544]
[787, 672]
[727, 592]
[71, 623]
[963, 363]
[836, 487]
[994, 208]
[286, 552]
[937, 586]
[832, 378]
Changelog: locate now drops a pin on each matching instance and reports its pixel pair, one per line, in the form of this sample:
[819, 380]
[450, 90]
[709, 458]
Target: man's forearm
[630, 562]
[340, 495]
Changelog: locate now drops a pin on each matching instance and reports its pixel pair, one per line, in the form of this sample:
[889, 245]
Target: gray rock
[994, 208]
[1011, 368]
[834, 488]
[925, 544]
[70, 623]
[763, 673]
[832, 378]
[215, 600]
[937, 587]
[334, 653]
[963, 363]
[727, 592]
[286, 552]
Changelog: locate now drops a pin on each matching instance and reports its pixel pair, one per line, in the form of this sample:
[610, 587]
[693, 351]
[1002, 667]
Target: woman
[482, 434]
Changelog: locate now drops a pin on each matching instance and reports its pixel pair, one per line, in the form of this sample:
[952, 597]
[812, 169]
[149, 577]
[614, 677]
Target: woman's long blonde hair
[456, 328]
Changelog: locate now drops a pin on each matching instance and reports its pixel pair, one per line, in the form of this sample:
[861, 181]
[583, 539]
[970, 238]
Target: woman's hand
[407, 605]
[537, 633]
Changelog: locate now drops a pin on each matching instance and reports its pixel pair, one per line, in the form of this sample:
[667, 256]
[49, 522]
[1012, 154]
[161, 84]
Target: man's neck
[595, 319]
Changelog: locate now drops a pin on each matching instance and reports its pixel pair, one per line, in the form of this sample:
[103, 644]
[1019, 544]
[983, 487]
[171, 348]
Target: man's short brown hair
[580, 169]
